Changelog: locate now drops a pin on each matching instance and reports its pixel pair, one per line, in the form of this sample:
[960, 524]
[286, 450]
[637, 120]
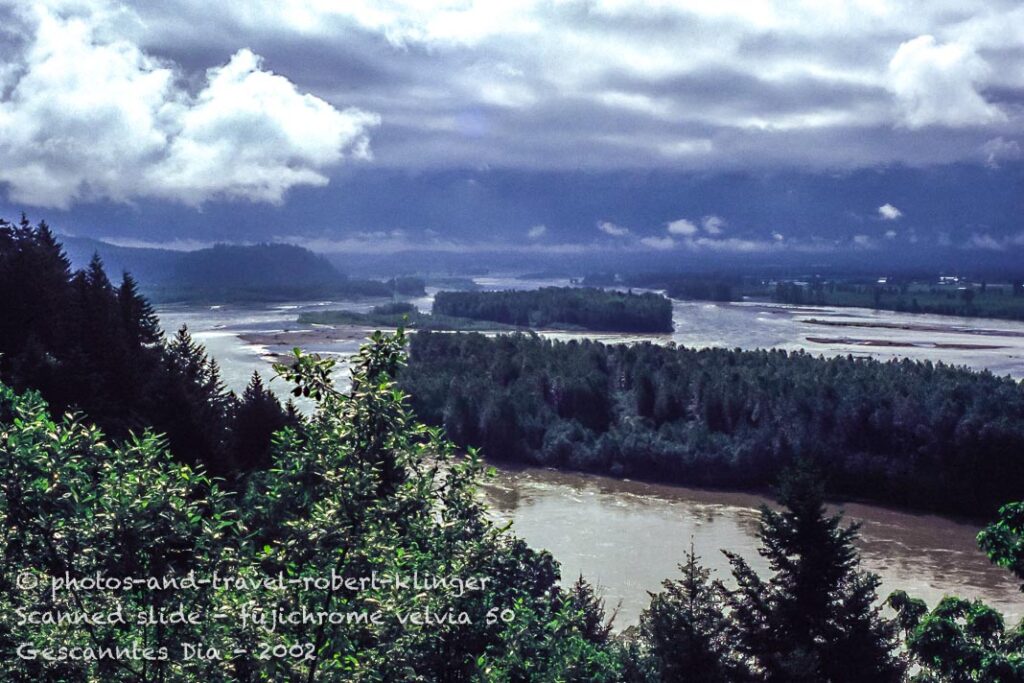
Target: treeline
[572, 307]
[400, 314]
[971, 300]
[696, 287]
[87, 344]
[920, 435]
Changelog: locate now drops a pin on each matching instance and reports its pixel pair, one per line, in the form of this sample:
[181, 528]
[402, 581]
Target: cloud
[603, 84]
[888, 212]
[713, 225]
[185, 244]
[681, 226]
[778, 236]
[536, 231]
[999, 149]
[92, 116]
[985, 241]
[661, 243]
[609, 228]
[863, 241]
[890, 234]
[937, 84]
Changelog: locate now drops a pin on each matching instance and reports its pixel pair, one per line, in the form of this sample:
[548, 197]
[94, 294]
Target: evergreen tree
[595, 625]
[137, 314]
[686, 635]
[815, 618]
[192, 405]
[256, 417]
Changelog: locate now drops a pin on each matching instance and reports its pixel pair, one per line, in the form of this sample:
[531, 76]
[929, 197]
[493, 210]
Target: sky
[655, 128]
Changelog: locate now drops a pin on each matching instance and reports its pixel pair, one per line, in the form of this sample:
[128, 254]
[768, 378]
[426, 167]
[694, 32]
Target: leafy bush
[359, 488]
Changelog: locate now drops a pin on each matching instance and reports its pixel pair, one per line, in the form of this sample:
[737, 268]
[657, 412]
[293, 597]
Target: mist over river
[626, 537]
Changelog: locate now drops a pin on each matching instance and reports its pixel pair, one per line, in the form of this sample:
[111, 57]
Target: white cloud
[890, 234]
[185, 244]
[661, 243]
[888, 212]
[999, 149]
[863, 241]
[534, 84]
[985, 241]
[713, 225]
[93, 116]
[536, 231]
[778, 236]
[937, 84]
[681, 226]
[731, 244]
[609, 228]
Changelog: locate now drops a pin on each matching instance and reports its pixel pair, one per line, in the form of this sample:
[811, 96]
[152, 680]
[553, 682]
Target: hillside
[228, 272]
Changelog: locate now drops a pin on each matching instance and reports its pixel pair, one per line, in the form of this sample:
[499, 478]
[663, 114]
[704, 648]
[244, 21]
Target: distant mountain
[225, 272]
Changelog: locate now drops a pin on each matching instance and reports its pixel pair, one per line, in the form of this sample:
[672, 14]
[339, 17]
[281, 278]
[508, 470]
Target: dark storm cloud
[482, 120]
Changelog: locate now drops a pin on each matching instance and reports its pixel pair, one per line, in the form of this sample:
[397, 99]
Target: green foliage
[686, 635]
[358, 489]
[88, 345]
[590, 309]
[815, 618]
[904, 295]
[916, 434]
[960, 641]
[1003, 540]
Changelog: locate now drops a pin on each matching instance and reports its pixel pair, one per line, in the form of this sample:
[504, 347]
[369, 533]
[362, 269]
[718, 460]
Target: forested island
[919, 435]
[562, 307]
[401, 314]
[158, 473]
[696, 287]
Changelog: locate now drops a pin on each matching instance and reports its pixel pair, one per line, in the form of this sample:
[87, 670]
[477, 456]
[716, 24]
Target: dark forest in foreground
[919, 435]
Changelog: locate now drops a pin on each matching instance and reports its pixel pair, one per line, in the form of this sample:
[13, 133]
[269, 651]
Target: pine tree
[594, 624]
[257, 416]
[815, 619]
[137, 315]
[193, 406]
[686, 635]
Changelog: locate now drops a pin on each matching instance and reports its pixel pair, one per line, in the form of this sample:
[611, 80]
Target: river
[626, 537]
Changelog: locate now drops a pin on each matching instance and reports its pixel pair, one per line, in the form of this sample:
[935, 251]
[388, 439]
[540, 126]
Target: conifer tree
[815, 618]
[256, 417]
[137, 314]
[686, 635]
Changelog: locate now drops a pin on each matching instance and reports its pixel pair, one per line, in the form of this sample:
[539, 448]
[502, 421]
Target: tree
[257, 415]
[1003, 540]
[815, 618]
[960, 641]
[358, 490]
[686, 635]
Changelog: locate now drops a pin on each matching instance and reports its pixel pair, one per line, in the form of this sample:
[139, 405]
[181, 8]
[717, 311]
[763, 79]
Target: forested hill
[913, 434]
[88, 344]
[232, 272]
[571, 307]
